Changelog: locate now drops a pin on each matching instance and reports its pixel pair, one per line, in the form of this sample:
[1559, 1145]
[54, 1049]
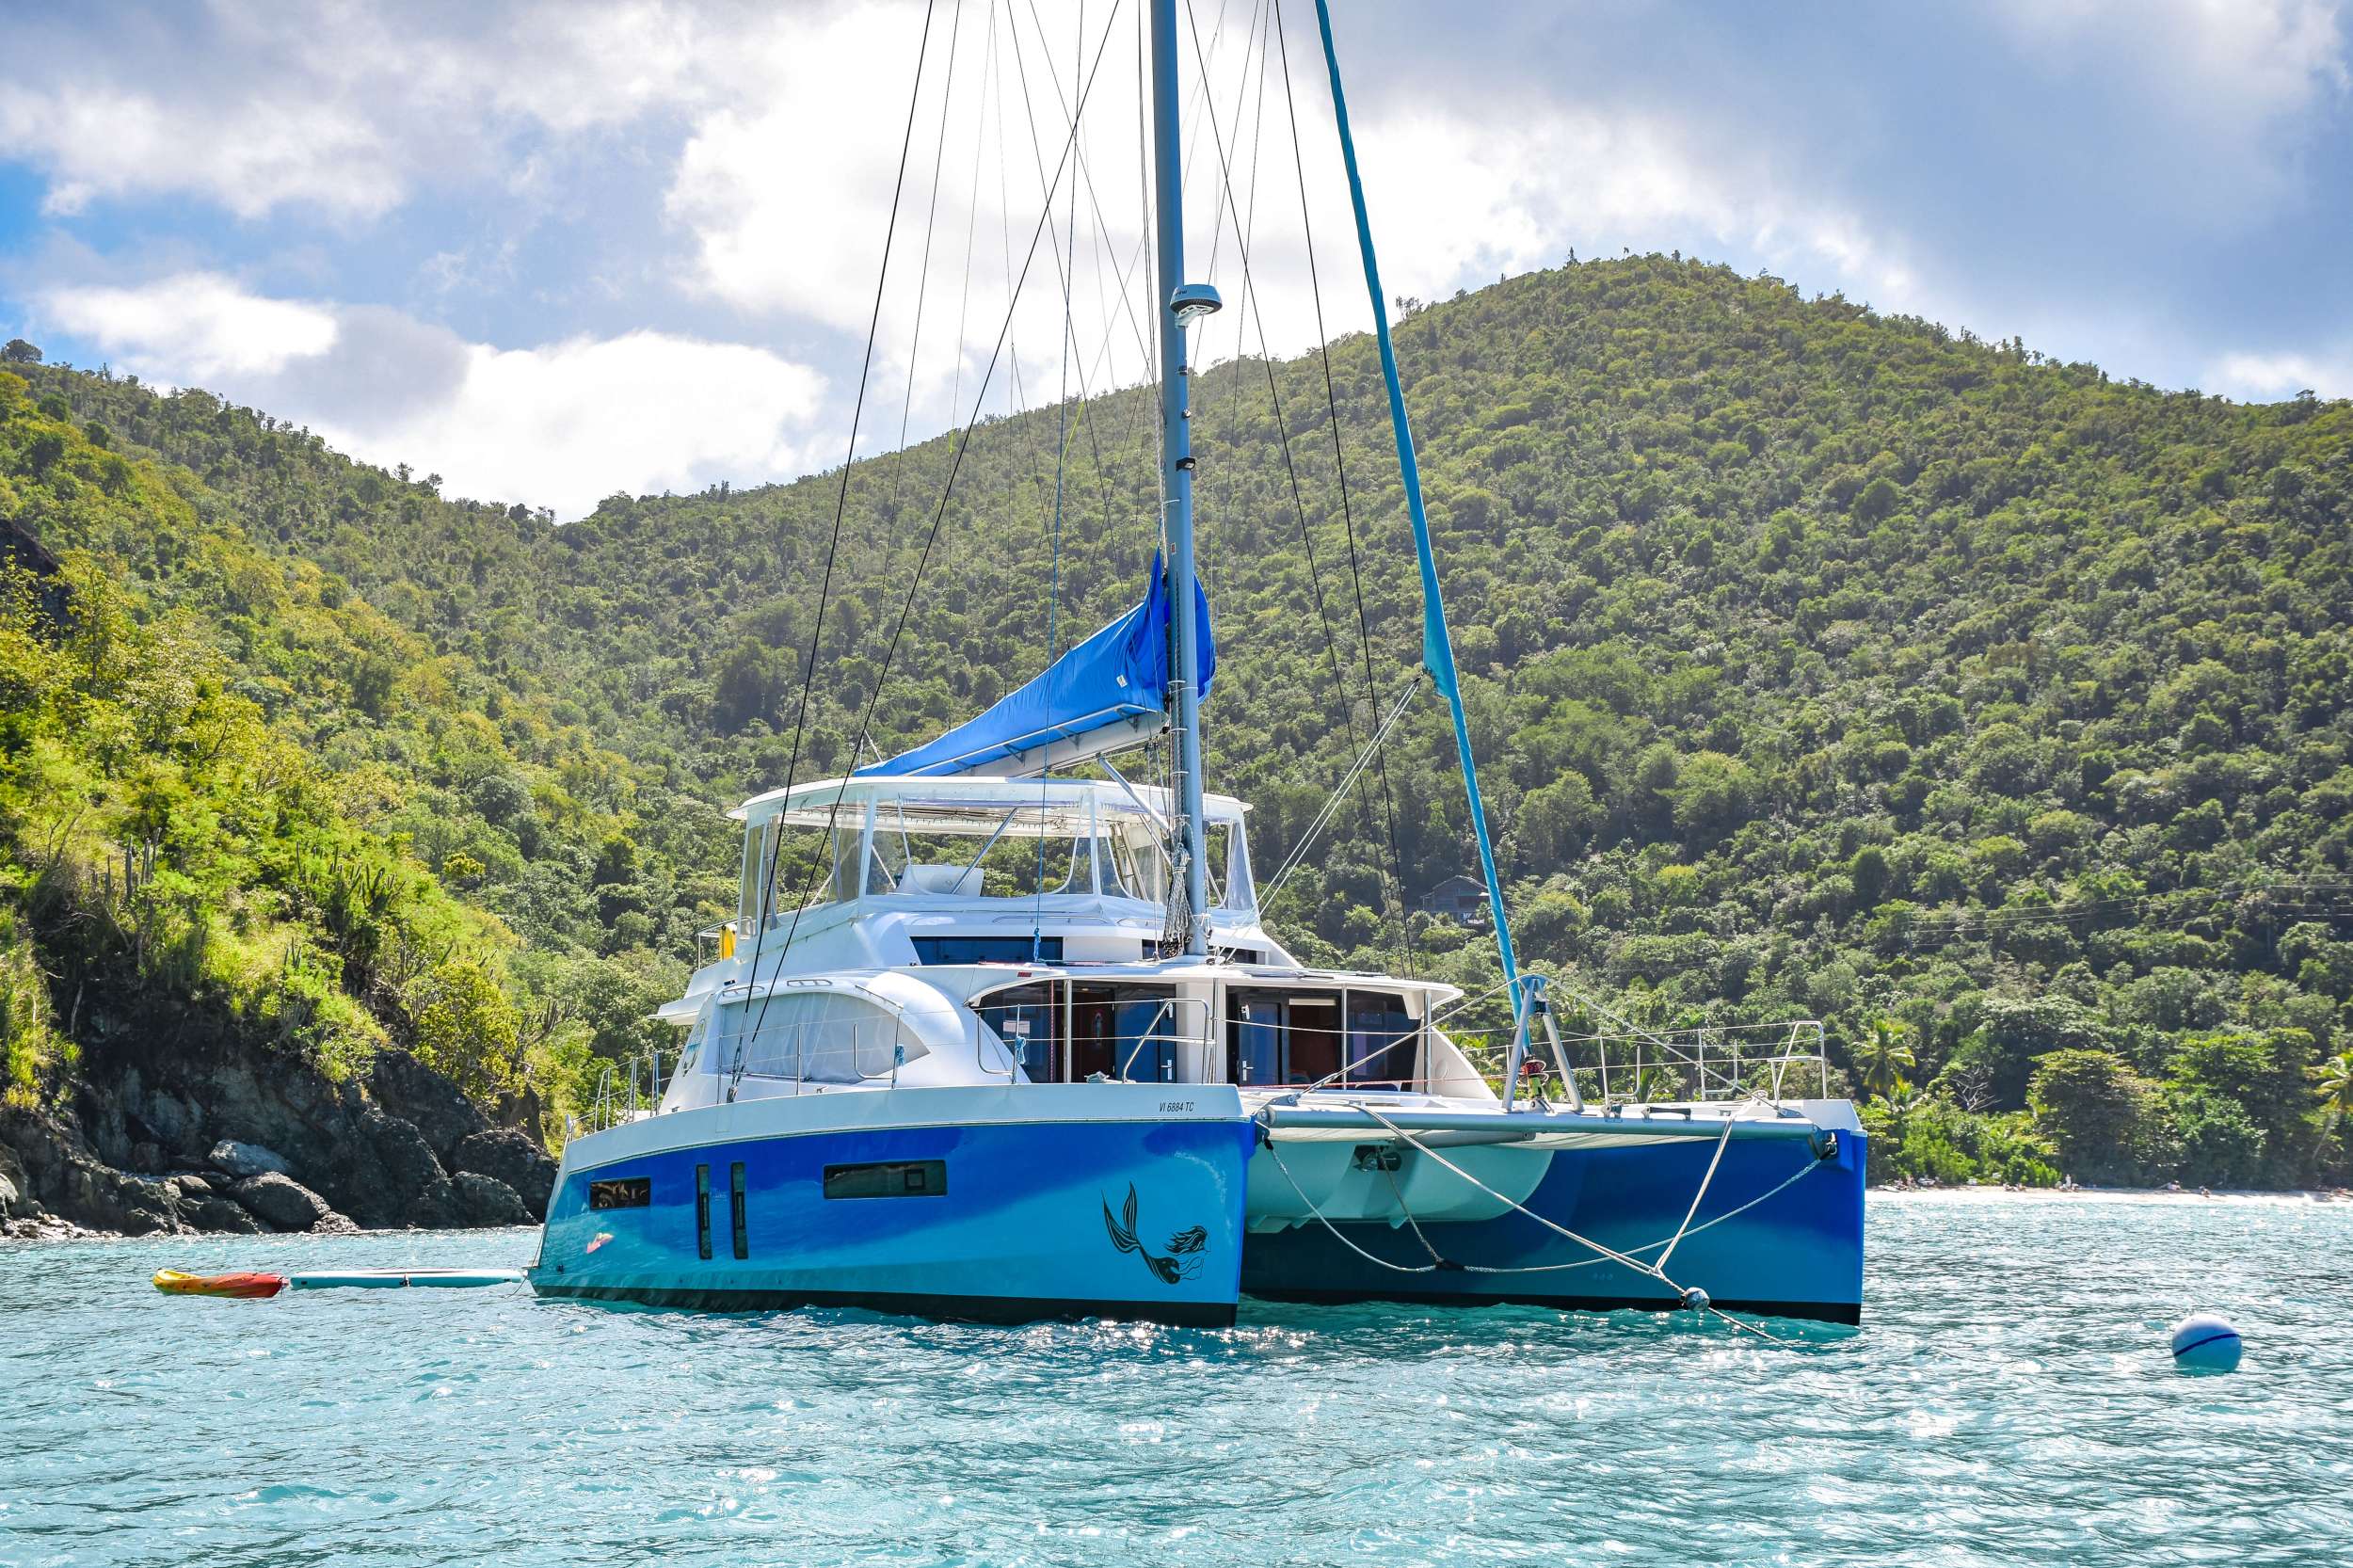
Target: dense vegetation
[227, 783]
[1820, 664]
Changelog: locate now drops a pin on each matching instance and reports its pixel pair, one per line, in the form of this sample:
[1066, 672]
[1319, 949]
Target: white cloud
[2024, 167]
[2212, 97]
[562, 425]
[196, 325]
[784, 196]
[2238, 54]
[2262, 377]
[568, 423]
[1478, 197]
[347, 112]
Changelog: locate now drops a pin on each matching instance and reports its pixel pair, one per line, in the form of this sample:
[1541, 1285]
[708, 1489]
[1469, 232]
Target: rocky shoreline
[198, 1135]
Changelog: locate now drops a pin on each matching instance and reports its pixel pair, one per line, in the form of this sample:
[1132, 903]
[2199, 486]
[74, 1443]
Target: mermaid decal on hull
[1185, 1249]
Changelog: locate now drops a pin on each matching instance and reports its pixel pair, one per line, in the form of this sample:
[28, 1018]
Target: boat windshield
[969, 839]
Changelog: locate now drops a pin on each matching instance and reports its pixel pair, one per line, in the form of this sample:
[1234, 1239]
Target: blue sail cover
[1120, 673]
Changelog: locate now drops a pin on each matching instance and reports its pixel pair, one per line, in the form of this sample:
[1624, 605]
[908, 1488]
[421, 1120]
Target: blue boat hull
[1795, 1253]
[1031, 1220]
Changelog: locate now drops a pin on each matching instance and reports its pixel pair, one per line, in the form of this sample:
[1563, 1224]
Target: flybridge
[941, 838]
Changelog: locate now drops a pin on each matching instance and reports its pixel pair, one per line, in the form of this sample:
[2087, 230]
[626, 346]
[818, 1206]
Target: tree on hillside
[746, 688]
[1883, 1058]
[2332, 1084]
[19, 352]
[1817, 658]
[2096, 1108]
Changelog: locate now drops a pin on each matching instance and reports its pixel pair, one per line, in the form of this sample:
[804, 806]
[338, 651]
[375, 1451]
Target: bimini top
[1014, 808]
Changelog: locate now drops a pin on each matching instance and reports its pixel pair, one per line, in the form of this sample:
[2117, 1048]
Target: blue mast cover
[1118, 674]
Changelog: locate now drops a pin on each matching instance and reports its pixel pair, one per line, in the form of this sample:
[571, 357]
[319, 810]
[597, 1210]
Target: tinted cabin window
[1277, 1037]
[1253, 1041]
[987, 950]
[890, 1178]
[1315, 1039]
[1028, 1019]
[1381, 1040]
[626, 1193]
[1123, 1032]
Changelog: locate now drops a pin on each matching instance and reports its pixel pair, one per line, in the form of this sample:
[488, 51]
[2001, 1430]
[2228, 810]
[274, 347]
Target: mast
[1182, 304]
[1437, 649]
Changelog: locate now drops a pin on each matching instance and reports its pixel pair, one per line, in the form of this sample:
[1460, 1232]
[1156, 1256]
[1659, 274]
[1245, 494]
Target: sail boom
[1060, 751]
[1107, 694]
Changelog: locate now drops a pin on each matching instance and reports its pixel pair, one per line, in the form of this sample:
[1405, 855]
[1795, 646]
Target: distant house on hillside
[1458, 898]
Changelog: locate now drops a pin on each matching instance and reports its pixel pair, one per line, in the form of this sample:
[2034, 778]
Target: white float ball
[2205, 1342]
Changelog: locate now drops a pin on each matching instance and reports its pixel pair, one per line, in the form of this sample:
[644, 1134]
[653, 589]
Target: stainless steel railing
[1700, 1065]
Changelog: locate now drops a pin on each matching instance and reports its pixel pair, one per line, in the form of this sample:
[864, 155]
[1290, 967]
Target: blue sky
[552, 251]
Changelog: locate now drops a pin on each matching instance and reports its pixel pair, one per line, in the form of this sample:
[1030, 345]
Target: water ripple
[2010, 1400]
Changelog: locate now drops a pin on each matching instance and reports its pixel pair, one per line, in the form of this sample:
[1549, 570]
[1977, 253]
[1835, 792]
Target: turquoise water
[2009, 1401]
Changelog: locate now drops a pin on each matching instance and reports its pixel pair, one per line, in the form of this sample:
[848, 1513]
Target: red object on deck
[171, 1282]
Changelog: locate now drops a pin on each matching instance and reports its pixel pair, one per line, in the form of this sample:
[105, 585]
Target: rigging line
[1017, 391]
[1397, 1191]
[1438, 1263]
[1152, 283]
[1766, 1196]
[1037, 161]
[1223, 198]
[1061, 452]
[1653, 1270]
[1340, 791]
[1085, 412]
[924, 274]
[1088, 379]
[1066, 339]
[955, 466]
[842, 502]
[1094, 202]
[1200, 96]
[1705, 1182]
[972, 209]
[1224, 477]
[1787, 1182]
[1393, 884]
[1431, 1267]
[1062, 435]
[1065, 277]
[1339, 463]
[1161, 753]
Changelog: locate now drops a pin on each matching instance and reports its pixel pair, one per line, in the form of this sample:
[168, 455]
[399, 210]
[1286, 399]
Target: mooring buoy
[2207, 1342]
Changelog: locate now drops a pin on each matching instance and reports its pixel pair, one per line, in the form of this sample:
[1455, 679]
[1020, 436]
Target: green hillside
[234, 793]
[1820, 662]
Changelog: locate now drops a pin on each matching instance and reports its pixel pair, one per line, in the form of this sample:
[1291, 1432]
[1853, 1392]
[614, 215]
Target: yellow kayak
[171, 1282]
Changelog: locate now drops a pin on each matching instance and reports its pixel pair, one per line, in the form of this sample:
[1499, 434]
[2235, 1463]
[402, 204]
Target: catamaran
[1027, 1050]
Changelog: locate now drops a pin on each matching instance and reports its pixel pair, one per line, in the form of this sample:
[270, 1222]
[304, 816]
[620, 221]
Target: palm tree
[1883, 1058]
[1903, 1101]
[2333, 1084]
